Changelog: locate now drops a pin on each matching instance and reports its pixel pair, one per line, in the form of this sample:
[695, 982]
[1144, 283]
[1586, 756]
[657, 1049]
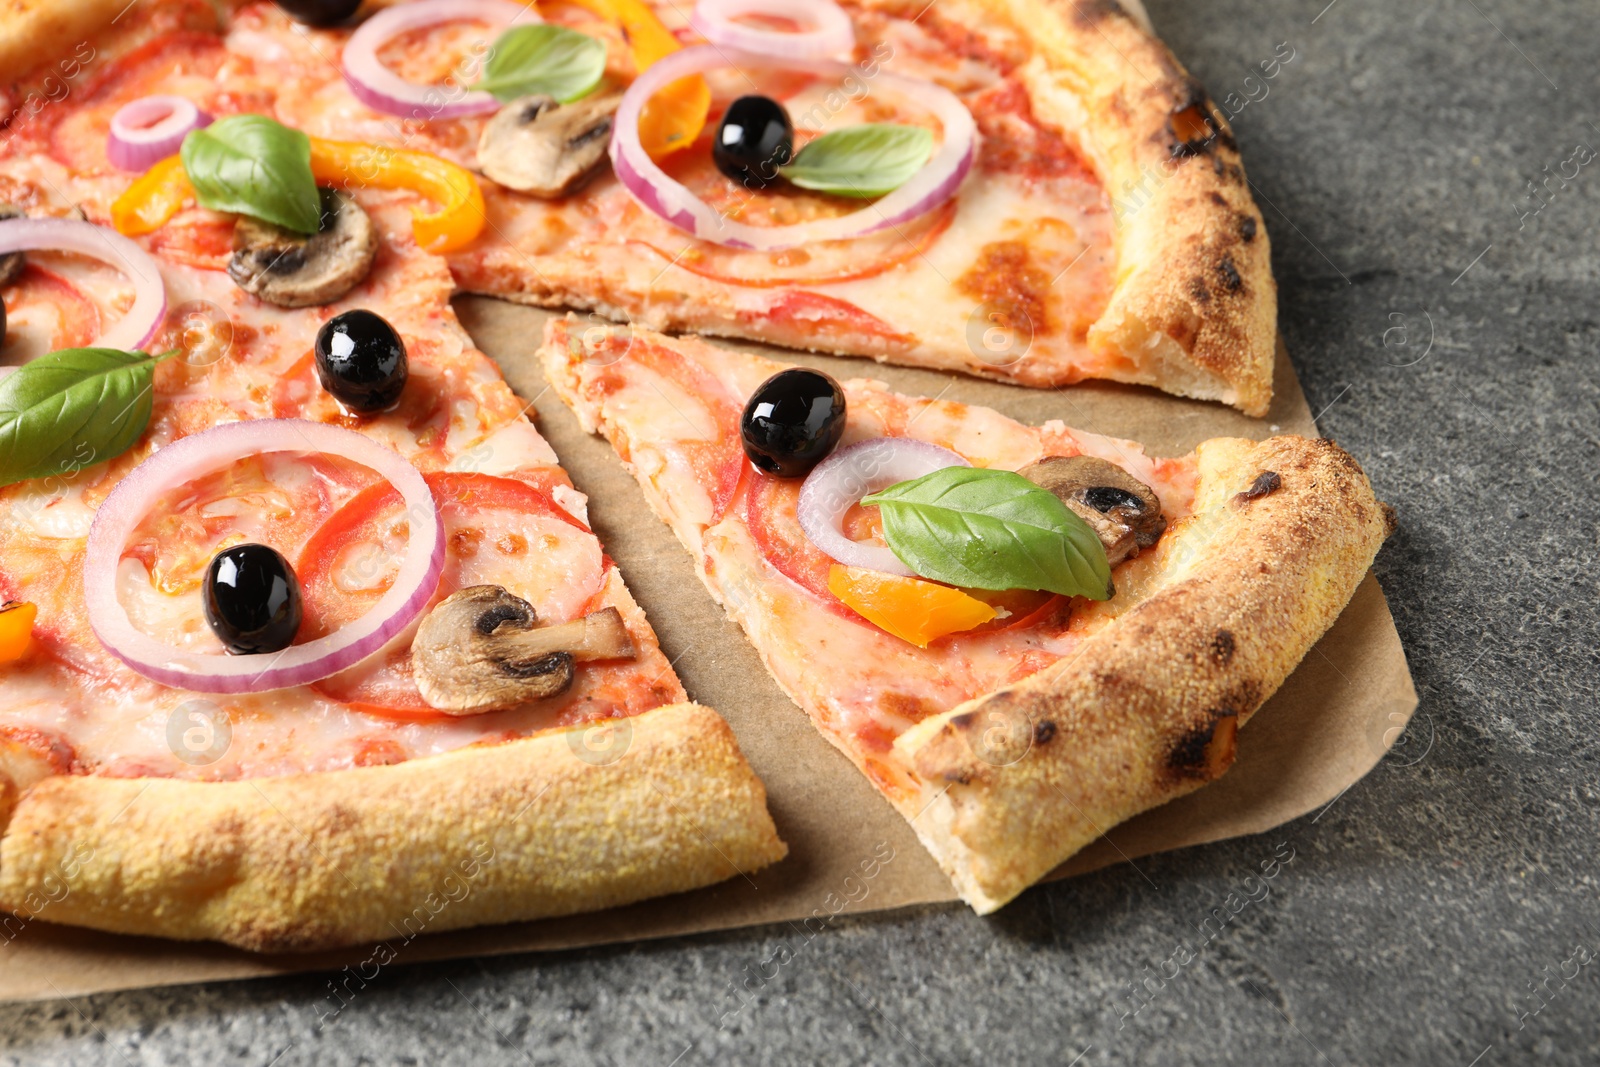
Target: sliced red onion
[150, 129]
[97, 242]
[383, 90]
[650, 186]
[831, 33]
[202, 453]
[840, 481]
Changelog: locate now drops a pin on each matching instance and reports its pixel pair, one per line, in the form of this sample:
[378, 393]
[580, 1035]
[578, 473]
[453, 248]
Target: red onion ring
[841, 480]
[831, 33]
[150, 129]
[656, 192]
[202, 453]
[383, 90]
[110, 247]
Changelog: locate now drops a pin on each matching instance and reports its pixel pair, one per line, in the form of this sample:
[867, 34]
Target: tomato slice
[499, 531]
[718, 465]
[867, 257]
[45, 313]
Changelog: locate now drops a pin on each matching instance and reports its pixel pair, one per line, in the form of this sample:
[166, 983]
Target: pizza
[1101, 224]
[306, 639]
[1010, 725]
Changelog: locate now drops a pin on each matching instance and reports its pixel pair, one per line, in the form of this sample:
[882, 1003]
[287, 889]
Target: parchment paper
[1329, 724]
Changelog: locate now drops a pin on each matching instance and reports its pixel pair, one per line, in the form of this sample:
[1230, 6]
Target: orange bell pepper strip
[913, 609]
[460, 217]
[16, 629]
[154, 198]
[162, 191]
[674, 117]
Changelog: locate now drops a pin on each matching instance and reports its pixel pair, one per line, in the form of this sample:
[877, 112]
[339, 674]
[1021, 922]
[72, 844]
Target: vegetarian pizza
[1021, 635]
[1029, 190]
[301, 615]
[306, 640]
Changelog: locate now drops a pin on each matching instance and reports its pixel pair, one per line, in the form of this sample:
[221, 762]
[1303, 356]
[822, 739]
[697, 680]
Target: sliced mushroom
[537, 146]
[479, 650]
[11, 263]
[294, 271]
[1123, 512]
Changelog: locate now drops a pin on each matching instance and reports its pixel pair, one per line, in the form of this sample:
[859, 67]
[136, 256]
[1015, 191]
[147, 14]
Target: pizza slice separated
[306, 640]
[1106, 621]
[1082, 211]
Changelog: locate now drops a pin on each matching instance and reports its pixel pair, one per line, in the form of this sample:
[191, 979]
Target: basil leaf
[987, 529]
[251, 165]
[861, 161]
[72, 409]
[543, 60]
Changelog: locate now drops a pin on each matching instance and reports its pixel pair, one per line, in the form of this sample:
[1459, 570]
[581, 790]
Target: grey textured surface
[1420, 912]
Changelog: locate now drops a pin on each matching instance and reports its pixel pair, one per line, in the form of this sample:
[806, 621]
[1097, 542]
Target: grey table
[1445, 910]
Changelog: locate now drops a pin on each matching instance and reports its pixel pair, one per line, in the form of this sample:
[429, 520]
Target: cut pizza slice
[306, 640]
[1012, 711]
[1076, 206]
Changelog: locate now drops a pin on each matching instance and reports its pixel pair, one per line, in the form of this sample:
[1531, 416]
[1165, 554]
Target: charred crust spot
[964, 720]
[1205, 751]
[1043, 732]
[1223, 647]
[1231, 281]
[1391, 521]
[1199, 291]
[1192, 126]
[1266, 482]
[1247, 228]
[1216, 198]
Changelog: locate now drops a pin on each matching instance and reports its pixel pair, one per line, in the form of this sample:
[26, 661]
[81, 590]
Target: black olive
[319, 12]
[252, 599]
[792, 421]
[754, 139]
[361, 360]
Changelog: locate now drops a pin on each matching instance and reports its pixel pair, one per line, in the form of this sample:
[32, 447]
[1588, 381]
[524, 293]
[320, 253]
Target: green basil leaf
[251, 165]
[72, 409]
[987, 529]
[861, 161]
[543, 60]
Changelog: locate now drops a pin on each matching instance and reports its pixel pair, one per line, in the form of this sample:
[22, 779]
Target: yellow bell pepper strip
[161, 192]
[460, 217]
[16, 629]
[674, 117]
[154, 198]
[913, 609]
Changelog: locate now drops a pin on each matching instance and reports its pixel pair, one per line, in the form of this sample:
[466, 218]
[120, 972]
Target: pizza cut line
[1011, 738]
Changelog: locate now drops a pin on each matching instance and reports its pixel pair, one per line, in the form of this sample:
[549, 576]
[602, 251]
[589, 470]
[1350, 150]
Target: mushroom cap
[479, 650]
[1124, 512]
[293, 270]
[539, 147]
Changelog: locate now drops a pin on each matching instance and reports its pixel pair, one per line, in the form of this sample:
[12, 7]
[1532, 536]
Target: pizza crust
[1202, 632]
[539, 827]
[1194, 309]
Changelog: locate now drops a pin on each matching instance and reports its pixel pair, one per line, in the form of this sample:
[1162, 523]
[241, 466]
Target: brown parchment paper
[1329, 724]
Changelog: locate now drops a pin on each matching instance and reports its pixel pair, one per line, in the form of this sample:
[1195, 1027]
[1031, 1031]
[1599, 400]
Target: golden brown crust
[549, 825]
[1194, 310]
[1201, 632]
